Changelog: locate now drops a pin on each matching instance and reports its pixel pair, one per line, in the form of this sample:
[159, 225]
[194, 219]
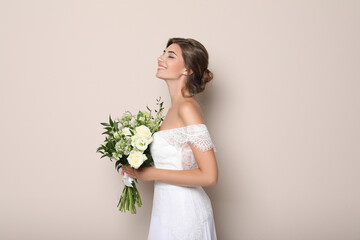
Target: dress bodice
[171, 149]
[182, 210]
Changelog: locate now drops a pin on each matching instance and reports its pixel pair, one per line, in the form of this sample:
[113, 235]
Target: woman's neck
[174, 87]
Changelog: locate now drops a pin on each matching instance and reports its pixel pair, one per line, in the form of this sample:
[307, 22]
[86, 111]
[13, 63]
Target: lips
[161, 67]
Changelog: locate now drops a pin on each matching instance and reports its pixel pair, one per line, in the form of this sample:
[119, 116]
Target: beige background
[283, 112]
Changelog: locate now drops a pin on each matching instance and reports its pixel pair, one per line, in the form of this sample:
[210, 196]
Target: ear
[186, 72]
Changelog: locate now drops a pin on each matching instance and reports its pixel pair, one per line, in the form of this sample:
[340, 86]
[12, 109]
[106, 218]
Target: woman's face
[171, 64]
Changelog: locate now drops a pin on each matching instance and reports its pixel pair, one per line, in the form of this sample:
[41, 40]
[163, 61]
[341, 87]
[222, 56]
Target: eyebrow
[171, 52]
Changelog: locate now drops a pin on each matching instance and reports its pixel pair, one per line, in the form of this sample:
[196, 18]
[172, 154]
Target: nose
[161, 58]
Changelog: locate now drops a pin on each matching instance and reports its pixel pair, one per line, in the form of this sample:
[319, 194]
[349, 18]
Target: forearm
[191, 177]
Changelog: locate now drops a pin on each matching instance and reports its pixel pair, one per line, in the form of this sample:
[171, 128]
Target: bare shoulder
[189, 112]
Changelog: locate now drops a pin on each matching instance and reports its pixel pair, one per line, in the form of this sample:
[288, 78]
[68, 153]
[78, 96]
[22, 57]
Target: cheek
[176, 66]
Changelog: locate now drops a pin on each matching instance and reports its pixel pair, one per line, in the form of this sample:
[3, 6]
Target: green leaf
[123, 199]
[105, 124]
[111, 121]
[132, 131]
[118, 165]
[128, 198]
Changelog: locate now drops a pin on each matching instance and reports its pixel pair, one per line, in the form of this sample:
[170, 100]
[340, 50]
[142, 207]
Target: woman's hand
[142, 173]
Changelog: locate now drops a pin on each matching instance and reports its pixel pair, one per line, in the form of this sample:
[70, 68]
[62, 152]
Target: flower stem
[130, 197]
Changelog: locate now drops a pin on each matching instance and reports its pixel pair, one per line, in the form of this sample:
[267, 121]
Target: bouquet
[127, 142]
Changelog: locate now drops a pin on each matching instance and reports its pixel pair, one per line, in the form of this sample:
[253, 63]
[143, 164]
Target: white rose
[136, 158]
[143, 132]
[126, 131]
[140, 143]
[149, 140]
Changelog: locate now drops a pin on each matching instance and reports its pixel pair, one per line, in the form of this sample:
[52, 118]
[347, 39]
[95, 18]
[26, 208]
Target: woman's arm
[205, 175]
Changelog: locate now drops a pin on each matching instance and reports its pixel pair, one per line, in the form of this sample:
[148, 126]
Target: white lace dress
[180, 213]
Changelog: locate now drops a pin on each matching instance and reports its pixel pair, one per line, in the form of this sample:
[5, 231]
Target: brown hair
[196, 58]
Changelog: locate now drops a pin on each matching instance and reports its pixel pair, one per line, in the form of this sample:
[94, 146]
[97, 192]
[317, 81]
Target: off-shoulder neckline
[178, 128]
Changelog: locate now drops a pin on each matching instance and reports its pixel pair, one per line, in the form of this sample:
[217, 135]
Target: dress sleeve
[199, 136]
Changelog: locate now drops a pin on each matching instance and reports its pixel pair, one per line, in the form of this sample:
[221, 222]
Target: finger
[131, 172]
[131, 175]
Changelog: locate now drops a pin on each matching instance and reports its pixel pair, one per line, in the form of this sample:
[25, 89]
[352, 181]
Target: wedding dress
[180, 213]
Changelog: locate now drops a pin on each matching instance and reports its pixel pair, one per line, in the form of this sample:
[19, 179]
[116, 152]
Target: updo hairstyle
[196, 58]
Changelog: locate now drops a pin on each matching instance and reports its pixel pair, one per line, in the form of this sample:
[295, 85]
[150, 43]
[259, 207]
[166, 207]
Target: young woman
[182, 150]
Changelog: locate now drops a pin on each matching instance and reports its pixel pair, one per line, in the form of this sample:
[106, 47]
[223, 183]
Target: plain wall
[282, 110]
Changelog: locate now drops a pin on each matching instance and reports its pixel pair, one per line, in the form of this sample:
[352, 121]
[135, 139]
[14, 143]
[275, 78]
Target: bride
[182, 150]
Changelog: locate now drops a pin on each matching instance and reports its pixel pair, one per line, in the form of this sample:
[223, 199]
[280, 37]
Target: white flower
[147, 115]
[117, 135]
[143, 132]
[127, 150]
[136, 158]
[126, 131]
[140, 143]
[127, 115]
[116, 155]
[119, 146]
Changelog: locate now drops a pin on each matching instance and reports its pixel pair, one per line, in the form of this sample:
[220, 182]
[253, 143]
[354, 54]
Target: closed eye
[170, 52]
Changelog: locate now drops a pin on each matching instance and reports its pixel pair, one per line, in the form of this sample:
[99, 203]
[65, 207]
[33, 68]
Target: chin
[159, 76]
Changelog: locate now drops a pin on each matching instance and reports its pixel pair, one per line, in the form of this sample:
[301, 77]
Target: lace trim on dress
[196, 134]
